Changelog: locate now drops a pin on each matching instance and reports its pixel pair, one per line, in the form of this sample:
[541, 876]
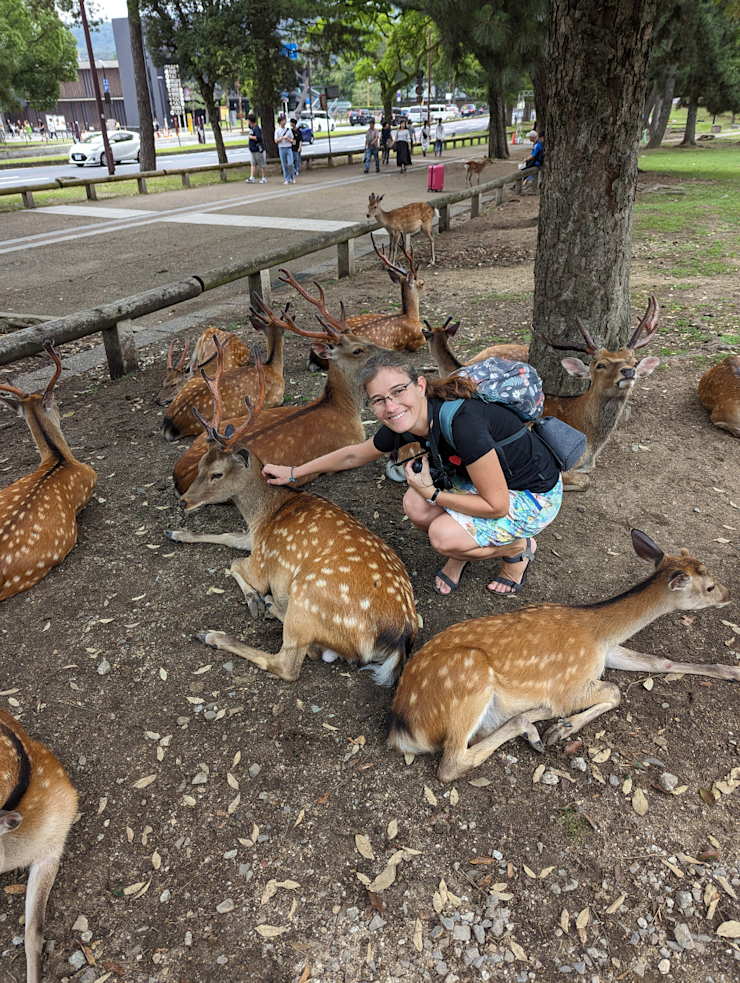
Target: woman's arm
[492, 500]
[353, 456]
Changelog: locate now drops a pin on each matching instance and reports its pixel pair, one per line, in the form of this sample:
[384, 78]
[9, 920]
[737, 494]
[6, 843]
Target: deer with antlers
[237, 383]
[479, 684]
[447, 362]
[404, 221]
[613, 374]
[236, 353]
[475, 167]
[37, 808]
[719, 392]
[38, 513]
[338, 589]
[297, 434]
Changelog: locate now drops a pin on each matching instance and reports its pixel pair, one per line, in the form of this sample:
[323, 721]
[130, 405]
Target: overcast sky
[112, 8]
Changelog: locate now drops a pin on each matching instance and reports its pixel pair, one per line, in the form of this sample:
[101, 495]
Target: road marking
[260, 222]
[92, 211]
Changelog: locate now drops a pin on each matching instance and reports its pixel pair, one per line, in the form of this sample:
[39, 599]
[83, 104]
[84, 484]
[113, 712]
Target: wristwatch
[433, 499]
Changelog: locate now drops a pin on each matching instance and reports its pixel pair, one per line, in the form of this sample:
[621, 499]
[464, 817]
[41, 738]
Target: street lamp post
[96, 89]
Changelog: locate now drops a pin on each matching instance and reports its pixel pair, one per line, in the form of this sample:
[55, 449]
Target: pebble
[103, 667]
[664, 966]
[165, 896]
[77, 960]
[228, 666]
[226, 905]
[200, 779]
[682, 935]
[254, 770]
[88, 976]
[579, 764]
[188, 938]
[376, 924]
[667, 781]
[222, 960]
[81, 925]
[684, 899]
[549, 779]
[639, 968]
[230, 854]
[461, 933]
[86, 936]
[440, 967]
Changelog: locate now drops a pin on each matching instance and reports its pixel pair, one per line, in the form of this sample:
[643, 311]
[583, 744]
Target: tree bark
[539, 84]
[148, 154]
[267, 119]
[597, 76]
[649, 105]
[207, 90]
[689, 134]
[665, 110]
[657, 109]
[497, 146]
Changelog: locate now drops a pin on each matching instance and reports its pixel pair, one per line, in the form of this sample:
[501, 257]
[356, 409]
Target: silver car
[123, 144]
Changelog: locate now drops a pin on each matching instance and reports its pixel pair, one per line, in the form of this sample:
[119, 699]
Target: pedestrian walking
[257, 153]
[297, 147]
[386, 139]
[402, 145]
[284, 141]
[371, 148]
[426, 134]
[439, 137]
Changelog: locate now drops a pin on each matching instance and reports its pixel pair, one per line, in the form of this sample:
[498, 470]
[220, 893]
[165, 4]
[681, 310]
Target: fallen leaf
[454, 797]
[375, 902]
[145, 782]
[616, 905]
[565, 919]
[392, 831]
[188, 800]
[105, 621]
[672, 867]
[329, 727]
[430, 796]
[601, 756]
[156, 860]
[627, 785]
[584, 918]
[196, 700]
[15, 889]
[418, 939]
[215, 590]
[300, 818]
[234, 804]
[409, 758]
[545, 871]
[163, 674]
[529, 872]
[133, 888]
[729, 930]
[199, 672]
[363, 847]
[721, 539]
[363, 878]
[142, 892]
[480, 782]
[102, 804]
[538, 773]
[233, 782]
[648, 684]
[269, 891]
[305, 974]
[384, 879]
[707, 796]
[640, 802]
[517, 951]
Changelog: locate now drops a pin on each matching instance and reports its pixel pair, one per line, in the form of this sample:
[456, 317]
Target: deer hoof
[176, 535]
[256, 607]
[557, 732]
[209, 637]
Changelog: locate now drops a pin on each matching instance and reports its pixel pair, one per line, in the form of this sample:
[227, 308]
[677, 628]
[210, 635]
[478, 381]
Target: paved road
[355, 141]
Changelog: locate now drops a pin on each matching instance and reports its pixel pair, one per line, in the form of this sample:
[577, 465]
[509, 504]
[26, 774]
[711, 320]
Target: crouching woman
[497, 497]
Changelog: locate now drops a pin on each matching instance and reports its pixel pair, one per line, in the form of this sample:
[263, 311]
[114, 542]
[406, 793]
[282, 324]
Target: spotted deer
[447, 362]
[38, 513]
[236, 353]
[401, 331]
[338, 589]
[403, 221]
[475, 167]
[719, 392]
[613, 375]
[297, 434]
[237, 383]
[481, 683]
[37, 808]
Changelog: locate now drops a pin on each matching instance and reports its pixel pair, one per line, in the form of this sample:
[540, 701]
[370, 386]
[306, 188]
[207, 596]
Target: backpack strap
[446, 413]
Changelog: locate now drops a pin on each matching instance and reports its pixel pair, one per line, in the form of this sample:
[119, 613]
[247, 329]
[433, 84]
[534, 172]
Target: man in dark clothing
[297, 147]
[257, 153]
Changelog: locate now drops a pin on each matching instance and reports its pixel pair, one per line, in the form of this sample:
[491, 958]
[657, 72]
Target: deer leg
[458, 761]
[574, 482]
[256, 599]
[622, 658]
[430, 237]
[40, 880]
[286, 664]
[239, 541]
[601, 697]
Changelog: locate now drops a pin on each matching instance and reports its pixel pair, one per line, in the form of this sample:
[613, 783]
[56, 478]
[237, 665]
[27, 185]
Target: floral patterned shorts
[528, 515]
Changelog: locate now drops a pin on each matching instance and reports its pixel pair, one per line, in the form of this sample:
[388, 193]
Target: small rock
[200, 779]
[89, 976]
[165, 896]
[639, 968]
[188, 938]
[480, 934]
[226, 905]
[80, 925]
[376, 924]
[86, 936]
[684, 899]
[461, 933]
[635, 448]
[498, 926]
[664, 966]
[77, 960]
[254, 770]
[578, 764]
[451, 978]
[222, 960]
[440, 967]
[549, 779]
[230, 854]
[228, 666]
[682, 935]
[448, 923]
[667, 781]
[103, 667]
[209, 714]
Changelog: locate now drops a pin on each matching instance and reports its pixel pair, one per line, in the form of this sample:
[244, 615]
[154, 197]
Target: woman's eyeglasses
[377, 401]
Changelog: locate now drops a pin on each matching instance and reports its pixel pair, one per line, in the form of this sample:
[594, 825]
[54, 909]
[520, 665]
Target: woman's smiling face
[404, 405]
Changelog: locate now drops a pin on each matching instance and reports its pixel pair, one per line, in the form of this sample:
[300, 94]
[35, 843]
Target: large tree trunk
[657, 109]
[665, 110]
[652, 98]
[539, 84]
[267, 119]
[207, 90]
[148, 155]
[497, 146]
[689, 134]
[598, 65]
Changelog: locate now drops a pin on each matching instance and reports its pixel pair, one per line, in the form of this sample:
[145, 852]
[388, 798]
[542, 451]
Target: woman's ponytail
[452, 387]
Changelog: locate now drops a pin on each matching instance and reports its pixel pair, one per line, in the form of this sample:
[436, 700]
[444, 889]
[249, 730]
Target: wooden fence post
[185, 180]
[120, 349]
[475, 206]
[536, 181]
[444, 218]
[28, 199]
[223, 175]
[346, 258]
[141, 182]
[499, 196]
[259, 283]
[92, 192]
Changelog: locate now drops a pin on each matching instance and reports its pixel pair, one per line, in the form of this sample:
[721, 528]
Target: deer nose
[628, 373]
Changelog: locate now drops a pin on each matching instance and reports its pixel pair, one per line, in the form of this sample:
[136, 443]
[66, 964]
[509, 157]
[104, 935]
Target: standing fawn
[37, 809]
[613, 374]
[236, 353]
[447, 362]
[238, 382]
[475, 167]
[38, 513]
[296, 434]
[719, 391]
[338, 589]
[478, 684]
[404, 221]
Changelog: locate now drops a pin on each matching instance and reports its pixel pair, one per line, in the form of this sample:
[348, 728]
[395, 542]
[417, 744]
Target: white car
[321, 120]
[124, 145]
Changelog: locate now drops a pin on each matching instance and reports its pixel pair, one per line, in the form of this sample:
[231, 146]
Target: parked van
[322, 121]
[440, 110]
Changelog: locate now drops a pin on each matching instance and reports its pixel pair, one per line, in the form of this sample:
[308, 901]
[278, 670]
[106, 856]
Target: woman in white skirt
[402, 146]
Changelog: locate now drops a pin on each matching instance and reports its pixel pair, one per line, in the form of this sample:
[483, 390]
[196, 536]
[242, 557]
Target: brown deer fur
[481, 683]
[404, 221]
[236, 384]
[37, 808]
[719, 391]
[38, 513]
[236, 353]
[338, 589]
[447, 362]
[475, 167]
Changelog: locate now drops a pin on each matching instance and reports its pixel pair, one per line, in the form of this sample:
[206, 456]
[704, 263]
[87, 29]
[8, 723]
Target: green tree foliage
[37, 52]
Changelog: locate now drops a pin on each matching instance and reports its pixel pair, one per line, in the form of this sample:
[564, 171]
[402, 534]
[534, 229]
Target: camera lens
[416, 466]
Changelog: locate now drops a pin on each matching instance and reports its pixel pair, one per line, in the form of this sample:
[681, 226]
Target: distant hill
[104, 46]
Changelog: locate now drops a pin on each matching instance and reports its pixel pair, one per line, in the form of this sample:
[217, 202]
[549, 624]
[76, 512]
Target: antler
[331, 325]
[590, 347]
[231, 434]
[211, 428]
[409, 256]
[6, 387]
[456, 325]
[650, 322]
[48, 396]
[261, 319]
[182, 360]
[381, 255]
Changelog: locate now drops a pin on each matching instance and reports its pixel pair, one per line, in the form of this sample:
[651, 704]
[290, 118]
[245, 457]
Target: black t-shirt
[298, 136]
[476, 427]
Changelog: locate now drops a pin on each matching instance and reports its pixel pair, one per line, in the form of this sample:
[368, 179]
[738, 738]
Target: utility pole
[429, 77]
[96, 89]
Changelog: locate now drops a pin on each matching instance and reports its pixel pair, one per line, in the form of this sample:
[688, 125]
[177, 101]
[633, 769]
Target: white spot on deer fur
[365, 603]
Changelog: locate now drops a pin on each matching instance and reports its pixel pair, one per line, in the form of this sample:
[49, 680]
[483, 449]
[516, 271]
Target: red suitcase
[436, 178]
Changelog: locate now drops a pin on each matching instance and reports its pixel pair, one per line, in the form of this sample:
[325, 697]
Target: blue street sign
[106, 85]
[291, 50]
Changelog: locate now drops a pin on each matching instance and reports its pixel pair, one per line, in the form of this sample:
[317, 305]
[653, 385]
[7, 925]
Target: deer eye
[601, 366]
[217, 475]
[358, 351]
[710, 588]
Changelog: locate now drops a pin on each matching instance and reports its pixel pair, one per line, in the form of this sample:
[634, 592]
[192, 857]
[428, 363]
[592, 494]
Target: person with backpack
[484, 493]
[257, 153]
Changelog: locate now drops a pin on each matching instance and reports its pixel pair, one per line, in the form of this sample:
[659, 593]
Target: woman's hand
[276, 474]
[421, 482]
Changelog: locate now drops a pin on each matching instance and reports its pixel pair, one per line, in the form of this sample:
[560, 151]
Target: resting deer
[236, 353]
[37, 809]
[38, 513]
[719, 391]
[447, 362]
[475, 167]
[478, 684]
[404, 221]
[338, 589]
[401, 331]
[597, 411]
[296, 434]
[237, 383]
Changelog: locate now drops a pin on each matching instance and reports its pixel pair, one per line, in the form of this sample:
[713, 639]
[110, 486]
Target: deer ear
[13, 404]
[451, 330]
[427, 333]
[322, 350]
[394, 276]
[647, 365]
[645, 548]
[241, 457]
[679, 581]
[9, 821]
[575, 367]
